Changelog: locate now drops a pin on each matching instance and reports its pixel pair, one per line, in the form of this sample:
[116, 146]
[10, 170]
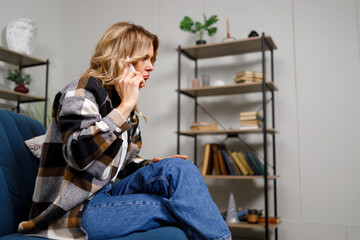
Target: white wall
[316, 71]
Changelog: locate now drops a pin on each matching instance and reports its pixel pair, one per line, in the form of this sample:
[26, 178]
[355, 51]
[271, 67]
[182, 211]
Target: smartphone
[131, 67]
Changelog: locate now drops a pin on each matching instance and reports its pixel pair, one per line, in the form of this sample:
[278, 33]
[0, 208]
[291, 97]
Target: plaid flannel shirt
[80, 155]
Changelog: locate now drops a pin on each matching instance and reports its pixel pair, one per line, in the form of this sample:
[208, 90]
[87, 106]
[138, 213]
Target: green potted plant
[188, 25]
[20, 80]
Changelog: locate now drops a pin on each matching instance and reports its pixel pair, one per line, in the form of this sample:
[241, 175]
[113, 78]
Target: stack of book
[251, 120]
[203, 126]
[220, 161]
[248, 76]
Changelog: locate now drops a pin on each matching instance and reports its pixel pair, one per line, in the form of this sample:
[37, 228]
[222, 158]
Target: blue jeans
[170, 192]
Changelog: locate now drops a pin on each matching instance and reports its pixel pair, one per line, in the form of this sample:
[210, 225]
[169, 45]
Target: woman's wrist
[125, 109]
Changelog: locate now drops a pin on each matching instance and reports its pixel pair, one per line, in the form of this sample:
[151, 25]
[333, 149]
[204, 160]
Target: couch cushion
[18, 165]
[7, 221]
[18, 169]
[25, 129]
[17, 236]
[163, 233]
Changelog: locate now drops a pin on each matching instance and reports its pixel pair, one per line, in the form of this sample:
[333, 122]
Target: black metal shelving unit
[24, 61]
[260, 44]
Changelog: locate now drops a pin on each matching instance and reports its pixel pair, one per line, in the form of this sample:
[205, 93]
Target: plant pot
[198, 42]
[21, 88]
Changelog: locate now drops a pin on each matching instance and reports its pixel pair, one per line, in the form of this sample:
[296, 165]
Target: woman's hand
[128, 89]
[157, 159]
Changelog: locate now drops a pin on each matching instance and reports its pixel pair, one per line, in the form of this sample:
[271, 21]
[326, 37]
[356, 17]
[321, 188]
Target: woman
[94, 138]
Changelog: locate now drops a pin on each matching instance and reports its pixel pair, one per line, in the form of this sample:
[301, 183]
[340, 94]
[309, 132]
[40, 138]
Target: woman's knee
[179, 163]
[180, 166]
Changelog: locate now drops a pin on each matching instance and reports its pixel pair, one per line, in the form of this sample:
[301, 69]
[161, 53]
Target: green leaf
[205, 20]
[213, 19]
[27, 79]
[212, 31]
[198, 26]
[186, 24]
[17, 77]
[9, 76]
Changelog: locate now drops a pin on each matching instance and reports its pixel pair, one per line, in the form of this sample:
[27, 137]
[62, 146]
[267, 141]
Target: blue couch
[18, 169]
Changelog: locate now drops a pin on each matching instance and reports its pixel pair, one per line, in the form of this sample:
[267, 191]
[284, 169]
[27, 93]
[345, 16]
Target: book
[244, 163]
[203, 126]
[248, 76]
[236, 166]
[248, 113]
[207, 163]
[246, 116]
[259, 166]
[248, 73]
[274, 220]
[251, 163]
[251, 123]
[238, 163]
[247, 79]
[215, 159]
[229, 164]
[249, 127]
[251, 120]
[258, 162]
[223, 169]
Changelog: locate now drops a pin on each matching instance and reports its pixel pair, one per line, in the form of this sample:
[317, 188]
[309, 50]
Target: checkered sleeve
[90, 141]
[133, 160]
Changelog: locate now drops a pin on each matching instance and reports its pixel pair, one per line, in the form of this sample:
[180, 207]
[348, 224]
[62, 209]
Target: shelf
[20, 97]
[21, 60]
[239, 177]
[229, 131]
[272, 226]
[220, 49]
[233, 48]
[227, 89]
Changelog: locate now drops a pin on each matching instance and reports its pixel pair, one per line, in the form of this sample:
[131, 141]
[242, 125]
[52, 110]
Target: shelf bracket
[231, 135]
[188, 55]
[186, 94]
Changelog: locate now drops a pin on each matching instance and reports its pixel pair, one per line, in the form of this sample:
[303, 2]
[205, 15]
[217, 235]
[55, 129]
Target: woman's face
[145, 66]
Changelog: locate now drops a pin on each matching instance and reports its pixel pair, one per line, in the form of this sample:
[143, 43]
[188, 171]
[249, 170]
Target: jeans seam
[227, 237]
[172, 191]
[188, 232]
[121, 204]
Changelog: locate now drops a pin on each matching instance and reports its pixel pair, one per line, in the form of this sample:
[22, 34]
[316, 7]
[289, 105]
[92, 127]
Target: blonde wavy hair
[121, 43]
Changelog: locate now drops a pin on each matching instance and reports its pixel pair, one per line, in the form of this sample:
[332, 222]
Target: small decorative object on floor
[232, 216]
[20, 35]
[18, 78]
[188, 25]
[253, 34]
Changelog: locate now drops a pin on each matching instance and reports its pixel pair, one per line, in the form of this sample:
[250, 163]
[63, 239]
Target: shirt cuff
[119, 120]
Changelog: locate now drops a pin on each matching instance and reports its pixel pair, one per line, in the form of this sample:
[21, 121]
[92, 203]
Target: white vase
[20, 35]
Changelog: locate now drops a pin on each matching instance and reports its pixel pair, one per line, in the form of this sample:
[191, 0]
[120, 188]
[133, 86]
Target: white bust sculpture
[20, 35]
